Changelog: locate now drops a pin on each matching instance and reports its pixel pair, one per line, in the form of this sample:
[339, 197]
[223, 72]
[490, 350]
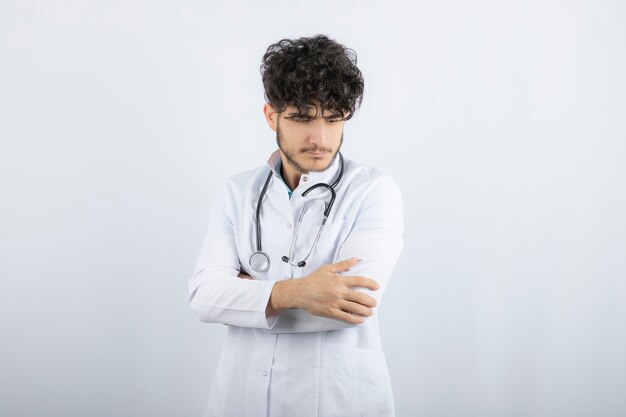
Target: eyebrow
[297, 115]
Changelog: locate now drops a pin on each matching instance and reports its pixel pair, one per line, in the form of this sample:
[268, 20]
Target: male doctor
[302, 336]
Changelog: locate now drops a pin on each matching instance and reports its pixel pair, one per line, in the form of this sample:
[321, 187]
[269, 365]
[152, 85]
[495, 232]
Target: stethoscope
[259, 260]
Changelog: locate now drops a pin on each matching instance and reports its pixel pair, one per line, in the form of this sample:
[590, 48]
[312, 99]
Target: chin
[318, 164]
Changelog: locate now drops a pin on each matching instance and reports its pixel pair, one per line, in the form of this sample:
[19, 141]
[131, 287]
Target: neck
[290, 175]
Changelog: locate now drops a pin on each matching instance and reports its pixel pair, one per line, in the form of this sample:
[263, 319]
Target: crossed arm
[321, 294]
[321, 301]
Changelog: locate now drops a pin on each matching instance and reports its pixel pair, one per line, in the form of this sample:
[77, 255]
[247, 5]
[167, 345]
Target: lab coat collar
[306, 180]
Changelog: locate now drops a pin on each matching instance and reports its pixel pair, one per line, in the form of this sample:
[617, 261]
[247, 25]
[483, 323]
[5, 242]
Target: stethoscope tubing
[259, 248]
[258, 213]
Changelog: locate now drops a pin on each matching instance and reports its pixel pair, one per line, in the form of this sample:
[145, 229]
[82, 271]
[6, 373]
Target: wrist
[284, 295]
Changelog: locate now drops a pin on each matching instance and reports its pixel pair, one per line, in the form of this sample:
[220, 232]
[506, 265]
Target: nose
[318, 135]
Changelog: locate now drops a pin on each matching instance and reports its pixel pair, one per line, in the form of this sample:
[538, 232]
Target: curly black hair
[301, 72]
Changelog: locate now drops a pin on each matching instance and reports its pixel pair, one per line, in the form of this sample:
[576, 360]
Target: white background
[503, 123]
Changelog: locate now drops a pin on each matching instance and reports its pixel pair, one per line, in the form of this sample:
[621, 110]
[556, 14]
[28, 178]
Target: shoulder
[239, 189]
[244, 183]
[374, 199]
[248, 179]
[369, 181]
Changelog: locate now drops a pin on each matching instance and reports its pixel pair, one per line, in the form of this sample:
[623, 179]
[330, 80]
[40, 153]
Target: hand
[244, 275]
[325, 293]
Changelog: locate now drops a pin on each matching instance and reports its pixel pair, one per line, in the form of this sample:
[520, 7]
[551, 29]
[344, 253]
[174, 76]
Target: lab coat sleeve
[216, 293]
[377, 240]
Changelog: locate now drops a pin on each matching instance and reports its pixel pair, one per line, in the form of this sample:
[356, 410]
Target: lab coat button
[288, 225]
[264, 373]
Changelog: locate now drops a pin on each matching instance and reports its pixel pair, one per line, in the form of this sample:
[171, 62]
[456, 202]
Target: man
[303, 336]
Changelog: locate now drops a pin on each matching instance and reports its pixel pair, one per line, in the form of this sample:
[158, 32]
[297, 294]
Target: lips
[316, 154]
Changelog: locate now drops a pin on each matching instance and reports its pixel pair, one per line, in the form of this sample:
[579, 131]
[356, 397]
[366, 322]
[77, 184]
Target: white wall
[503, 123]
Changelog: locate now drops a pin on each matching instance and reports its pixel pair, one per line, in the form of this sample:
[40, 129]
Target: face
[309, 141]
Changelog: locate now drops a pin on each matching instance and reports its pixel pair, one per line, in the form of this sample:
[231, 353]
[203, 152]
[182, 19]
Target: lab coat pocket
[354, 382]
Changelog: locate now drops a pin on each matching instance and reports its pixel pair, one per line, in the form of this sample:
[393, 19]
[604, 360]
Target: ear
[270, 116]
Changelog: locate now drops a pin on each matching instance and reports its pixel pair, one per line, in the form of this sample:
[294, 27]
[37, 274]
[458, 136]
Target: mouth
[316, 154]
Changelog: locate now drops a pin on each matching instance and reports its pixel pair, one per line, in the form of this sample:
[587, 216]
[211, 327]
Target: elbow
[202, 312]
[206, 314]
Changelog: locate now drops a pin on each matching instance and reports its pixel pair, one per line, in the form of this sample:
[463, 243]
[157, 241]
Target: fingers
[356, 308]
[361, 298]
[353, 281]
[349, 318]
[361, 282]
[343, 265]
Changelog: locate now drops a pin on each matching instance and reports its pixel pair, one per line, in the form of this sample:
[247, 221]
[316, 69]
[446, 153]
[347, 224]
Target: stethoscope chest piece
[259, 261]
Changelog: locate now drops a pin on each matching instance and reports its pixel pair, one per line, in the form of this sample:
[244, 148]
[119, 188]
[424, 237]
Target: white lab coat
[296, 364]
